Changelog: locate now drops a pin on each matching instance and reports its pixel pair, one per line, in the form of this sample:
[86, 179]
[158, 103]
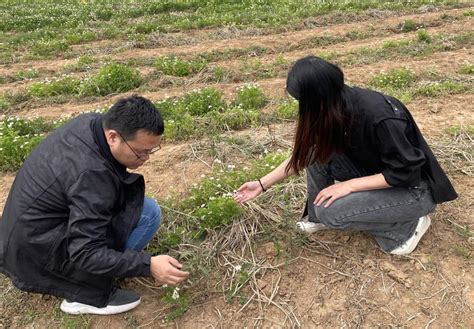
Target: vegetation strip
[35, 24]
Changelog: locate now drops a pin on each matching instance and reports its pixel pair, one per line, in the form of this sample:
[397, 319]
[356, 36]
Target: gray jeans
[390, 214]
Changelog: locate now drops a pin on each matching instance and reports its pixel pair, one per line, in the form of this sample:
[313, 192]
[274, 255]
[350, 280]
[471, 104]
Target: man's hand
[166, 269]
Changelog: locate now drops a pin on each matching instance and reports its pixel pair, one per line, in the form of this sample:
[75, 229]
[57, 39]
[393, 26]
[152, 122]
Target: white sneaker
[119, 301]
[310, 227]
[410, 244]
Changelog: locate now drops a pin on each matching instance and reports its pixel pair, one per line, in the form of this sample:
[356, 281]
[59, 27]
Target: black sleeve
[92, 198]
[401, 160]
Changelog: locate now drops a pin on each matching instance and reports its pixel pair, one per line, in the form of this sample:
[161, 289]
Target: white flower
[238, 267]
[217, 161]
[175, 293]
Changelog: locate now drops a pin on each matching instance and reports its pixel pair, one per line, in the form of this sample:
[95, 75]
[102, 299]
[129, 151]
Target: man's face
[133, 152]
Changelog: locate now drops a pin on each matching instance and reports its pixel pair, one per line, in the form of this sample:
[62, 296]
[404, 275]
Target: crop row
[182, 64]
[205, 111]
[48, 28]
[198, 113]
[116, 78]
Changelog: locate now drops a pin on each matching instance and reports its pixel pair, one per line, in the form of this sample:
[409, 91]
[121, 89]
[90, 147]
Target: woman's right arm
[251, 190]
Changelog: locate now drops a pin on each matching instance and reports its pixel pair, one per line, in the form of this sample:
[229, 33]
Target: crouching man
[75, 217]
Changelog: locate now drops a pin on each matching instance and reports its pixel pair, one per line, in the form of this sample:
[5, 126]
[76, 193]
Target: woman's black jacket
[68, 215]
[385, 139]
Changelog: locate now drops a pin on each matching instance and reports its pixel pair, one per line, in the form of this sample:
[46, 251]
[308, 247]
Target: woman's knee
[327, 216]
[152, 211]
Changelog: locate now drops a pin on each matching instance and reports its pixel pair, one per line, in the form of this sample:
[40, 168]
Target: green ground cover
[47, 29]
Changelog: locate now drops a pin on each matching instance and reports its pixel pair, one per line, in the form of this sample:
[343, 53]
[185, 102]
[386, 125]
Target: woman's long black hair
[324, 119]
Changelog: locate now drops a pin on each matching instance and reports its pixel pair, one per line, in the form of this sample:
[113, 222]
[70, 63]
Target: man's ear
[111, 136]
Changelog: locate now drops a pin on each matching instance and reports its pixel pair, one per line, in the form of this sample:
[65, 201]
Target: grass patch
[456, 130]
[467, 68]
[396, 49]
[287, 109]
[4, 104]
[49, 48]
[462, 252]
[250, 96]
[26, 74]
[18, 137]
[171, 65]
[83, 64]
[111, 78]
[65, 86]
[394, 79]
[423, 36]
[435, 89]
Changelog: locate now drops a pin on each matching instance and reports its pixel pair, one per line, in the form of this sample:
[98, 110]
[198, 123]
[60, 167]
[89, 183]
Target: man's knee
[153, 212]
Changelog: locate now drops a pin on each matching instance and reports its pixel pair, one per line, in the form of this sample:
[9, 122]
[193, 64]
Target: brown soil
[337, 279]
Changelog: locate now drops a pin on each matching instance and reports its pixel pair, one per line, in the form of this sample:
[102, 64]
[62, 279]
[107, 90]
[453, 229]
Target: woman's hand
[247, 192]
[332, 193]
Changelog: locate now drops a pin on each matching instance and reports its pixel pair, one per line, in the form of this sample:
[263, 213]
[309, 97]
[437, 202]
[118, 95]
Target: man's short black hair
[130, 114]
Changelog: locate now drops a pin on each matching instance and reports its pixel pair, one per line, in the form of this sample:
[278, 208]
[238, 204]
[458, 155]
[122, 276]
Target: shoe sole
[79, 308]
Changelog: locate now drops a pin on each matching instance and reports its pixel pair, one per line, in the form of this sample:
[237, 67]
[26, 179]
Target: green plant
[201, 101]
[179, 301]
[232, 118]
[243, 276]
[80, 37]
[287, 110]
[455, 130]
[83, 63]
[111, 78]
[172, 65]
[394, 79]
[18, 137]
[423, 36]
[143, 28]
[389, 44]
[27, 74]
[4, 104]
[463, 252]
[467, 68]
[74, 322]
[218, 212]
[65, 86]
[469, 13]
[180, 128]
[49, 48]
[438, 88]
[409, 26]
[219, 73]
[250, 97]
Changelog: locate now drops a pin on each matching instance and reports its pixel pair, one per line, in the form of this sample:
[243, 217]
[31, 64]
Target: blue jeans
[146, 226]
[390, 215]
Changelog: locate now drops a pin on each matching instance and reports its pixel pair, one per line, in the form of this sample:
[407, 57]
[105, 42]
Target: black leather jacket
[68, 215]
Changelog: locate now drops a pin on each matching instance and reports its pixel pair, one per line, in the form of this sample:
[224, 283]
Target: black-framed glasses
[140, 155]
